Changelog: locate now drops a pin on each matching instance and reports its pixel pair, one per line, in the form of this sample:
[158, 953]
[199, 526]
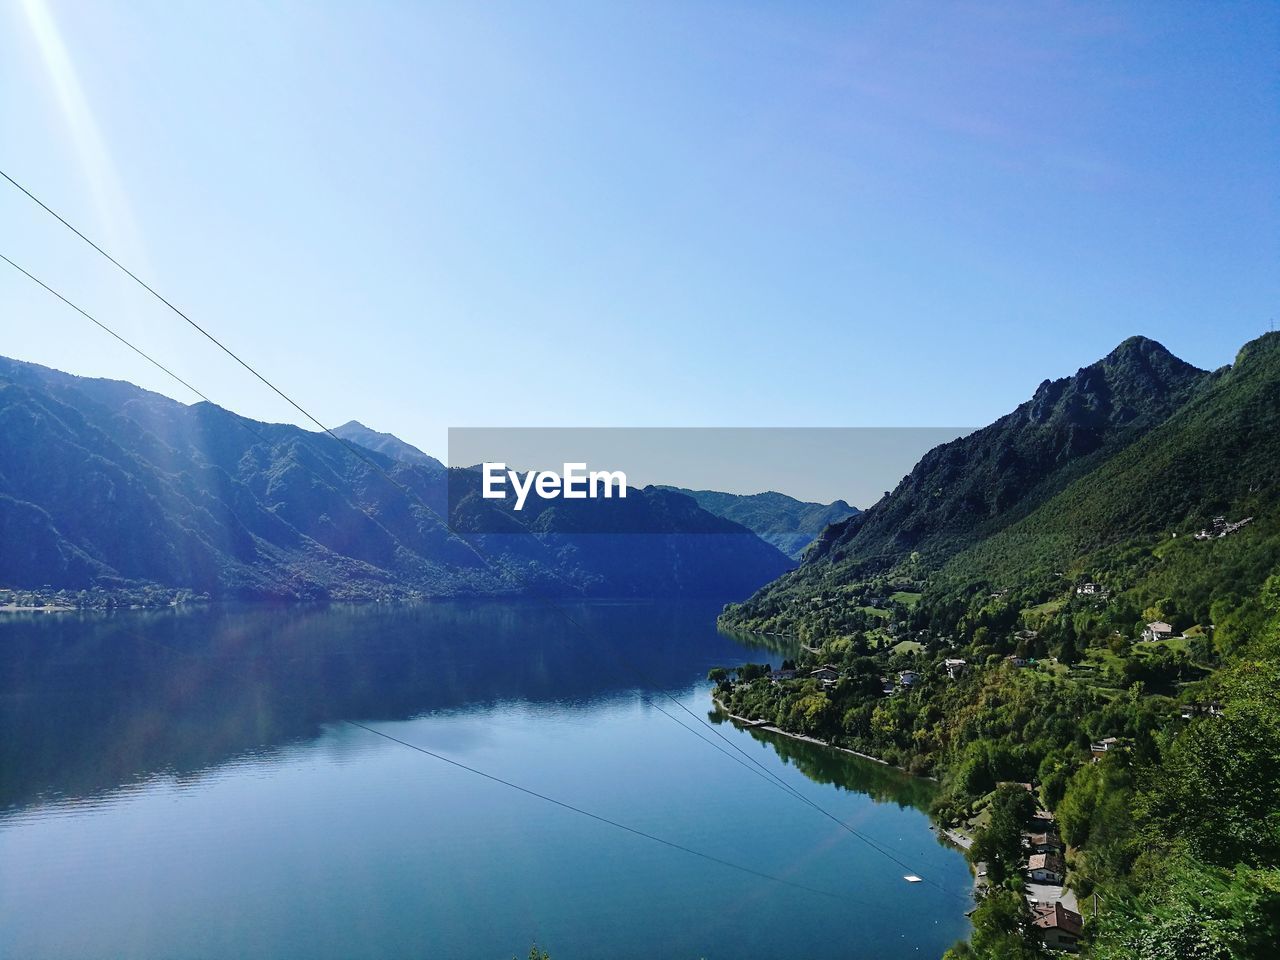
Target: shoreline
[771, 728]
[953, 836]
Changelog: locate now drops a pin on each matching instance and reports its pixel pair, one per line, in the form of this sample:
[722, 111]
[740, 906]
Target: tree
[1000, 923]
[999, 844]
[1219, 785]
[1196, 911]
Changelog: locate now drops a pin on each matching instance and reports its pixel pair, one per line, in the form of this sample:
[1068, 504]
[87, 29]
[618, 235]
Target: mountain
[108, 485]
[1219, 454]
[787, 523]
[967, 490]
[385, 443]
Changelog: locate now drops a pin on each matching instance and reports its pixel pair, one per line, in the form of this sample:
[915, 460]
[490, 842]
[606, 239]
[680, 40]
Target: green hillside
[1042, 614]
[1218, 455]
[964, 492]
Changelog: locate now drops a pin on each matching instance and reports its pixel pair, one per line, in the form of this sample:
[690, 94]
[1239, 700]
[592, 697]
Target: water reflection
[176, 784]
[883, 783]
[91, 702]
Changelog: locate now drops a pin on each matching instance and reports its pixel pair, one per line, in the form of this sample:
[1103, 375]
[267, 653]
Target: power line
[259, 435]
[103, 326]
[763, 772]
[441, 757]
[354, 450]
[594, 816]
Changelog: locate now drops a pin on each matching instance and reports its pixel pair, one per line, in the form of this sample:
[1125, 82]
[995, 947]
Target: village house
[786, 674]
[954, 667]
[1090, 589]
[1157, 630]
[886, 686]
[1042, 822]
[908, 678]
[1197, 709]
[1057, 927]
[1014, 660]
[827, 674]
[1046, 868]
[1102, 747]
[1221, 528]
[1047, 842]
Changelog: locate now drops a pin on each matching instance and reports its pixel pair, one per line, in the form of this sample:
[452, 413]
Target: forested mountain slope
[1217, 455]
[1116, 650]
[103, 484]
[965, 491]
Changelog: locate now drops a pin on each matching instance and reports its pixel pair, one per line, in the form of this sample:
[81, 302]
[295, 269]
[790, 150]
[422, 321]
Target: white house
[1157, 630]
[1046, 868]
[1103, 747]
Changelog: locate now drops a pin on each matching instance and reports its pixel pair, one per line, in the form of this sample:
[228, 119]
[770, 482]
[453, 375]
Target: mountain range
[104, 484]
[787, 523]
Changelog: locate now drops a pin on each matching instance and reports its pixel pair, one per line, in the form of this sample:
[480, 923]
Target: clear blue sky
[424, 215]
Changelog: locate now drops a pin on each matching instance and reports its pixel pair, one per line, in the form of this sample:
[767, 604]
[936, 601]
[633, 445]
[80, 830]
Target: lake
[183, 784]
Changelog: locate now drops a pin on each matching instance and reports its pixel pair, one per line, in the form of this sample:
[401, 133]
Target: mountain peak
[962, 490]
[1257, 348]
[388, 444]
[1143, 353]
[1137, 345]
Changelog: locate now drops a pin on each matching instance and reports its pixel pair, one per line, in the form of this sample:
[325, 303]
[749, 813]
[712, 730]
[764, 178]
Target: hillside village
[839, 691]
[47, 599]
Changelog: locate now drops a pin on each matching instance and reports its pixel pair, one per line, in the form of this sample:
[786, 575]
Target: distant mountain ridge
[787, 523]
[105, 484]
[387, 444]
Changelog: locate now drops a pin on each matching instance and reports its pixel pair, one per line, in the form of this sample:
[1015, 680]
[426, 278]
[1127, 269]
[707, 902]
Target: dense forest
[1095, 649]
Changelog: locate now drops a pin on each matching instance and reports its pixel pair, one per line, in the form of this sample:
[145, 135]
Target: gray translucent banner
[576, 472]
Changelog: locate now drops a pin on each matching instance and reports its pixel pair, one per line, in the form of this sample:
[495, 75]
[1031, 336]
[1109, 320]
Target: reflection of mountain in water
[89, 703]
[883, 783]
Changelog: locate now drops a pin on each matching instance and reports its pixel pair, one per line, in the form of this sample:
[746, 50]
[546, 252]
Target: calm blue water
[180, 784]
